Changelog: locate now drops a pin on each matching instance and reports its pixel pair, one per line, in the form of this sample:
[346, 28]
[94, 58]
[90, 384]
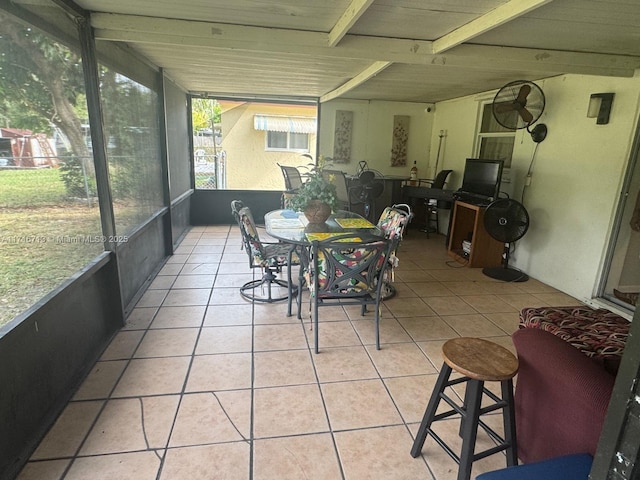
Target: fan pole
[441, 136]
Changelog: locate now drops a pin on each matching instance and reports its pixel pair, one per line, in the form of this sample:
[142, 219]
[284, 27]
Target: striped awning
[280, 123]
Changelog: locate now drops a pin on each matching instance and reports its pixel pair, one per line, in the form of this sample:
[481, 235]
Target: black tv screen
[482, 177]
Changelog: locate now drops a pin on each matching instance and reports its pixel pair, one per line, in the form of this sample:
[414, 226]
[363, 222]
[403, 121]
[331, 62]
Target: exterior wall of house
[577, 175]
[372, 134]
[249, 165]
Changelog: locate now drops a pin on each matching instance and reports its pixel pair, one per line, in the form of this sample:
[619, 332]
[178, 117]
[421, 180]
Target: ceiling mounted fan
[519, 105]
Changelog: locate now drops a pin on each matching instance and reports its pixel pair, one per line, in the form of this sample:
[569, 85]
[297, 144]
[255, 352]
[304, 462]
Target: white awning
[280, 123]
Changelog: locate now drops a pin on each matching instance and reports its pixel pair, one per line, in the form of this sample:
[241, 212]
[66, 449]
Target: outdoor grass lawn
[21, 188]
[43, 238]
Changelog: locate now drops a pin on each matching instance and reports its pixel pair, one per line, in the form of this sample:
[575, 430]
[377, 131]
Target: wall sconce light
[600, 107]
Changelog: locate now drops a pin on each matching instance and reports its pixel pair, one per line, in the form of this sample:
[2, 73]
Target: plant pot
[317, 211]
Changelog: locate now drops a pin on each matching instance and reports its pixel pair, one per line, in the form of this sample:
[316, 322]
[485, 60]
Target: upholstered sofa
[568, 361]
[598, 333]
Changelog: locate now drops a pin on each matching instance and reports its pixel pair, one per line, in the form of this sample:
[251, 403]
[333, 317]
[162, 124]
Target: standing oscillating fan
[506, 220]
[365, 192]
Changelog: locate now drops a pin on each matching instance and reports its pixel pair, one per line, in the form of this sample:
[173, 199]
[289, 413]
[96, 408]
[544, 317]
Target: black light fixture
[600, 107]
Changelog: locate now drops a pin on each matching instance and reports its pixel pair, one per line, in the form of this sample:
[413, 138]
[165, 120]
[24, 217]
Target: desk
[468, 224]
[292, 227]
[426, 194]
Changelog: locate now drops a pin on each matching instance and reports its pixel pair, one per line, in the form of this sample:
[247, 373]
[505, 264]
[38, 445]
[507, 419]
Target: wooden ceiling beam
[490, 20]
[371, 71]
[350, 16]
[195, 34]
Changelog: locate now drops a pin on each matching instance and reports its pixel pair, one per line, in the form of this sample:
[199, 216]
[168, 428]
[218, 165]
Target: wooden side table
[467, 223]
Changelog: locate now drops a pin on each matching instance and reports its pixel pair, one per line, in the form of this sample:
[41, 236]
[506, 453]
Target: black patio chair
[347, 270]
[271, 257]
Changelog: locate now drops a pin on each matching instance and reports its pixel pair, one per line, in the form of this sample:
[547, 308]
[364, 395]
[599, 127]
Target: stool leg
[509, 419]
[472, 400]
[465, 402]
[430, 411]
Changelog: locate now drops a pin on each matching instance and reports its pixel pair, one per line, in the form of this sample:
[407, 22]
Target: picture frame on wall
[342, 136]
[399, 141]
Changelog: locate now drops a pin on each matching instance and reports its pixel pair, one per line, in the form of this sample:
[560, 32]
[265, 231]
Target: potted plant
[316, 197]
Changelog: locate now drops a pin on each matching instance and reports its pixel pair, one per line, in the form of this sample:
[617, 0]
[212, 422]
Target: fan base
[505, 274]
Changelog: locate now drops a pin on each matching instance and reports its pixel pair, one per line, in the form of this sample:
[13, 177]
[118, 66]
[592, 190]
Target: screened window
[132, 132]
[49, 217]
[239, 144]
[495, 142]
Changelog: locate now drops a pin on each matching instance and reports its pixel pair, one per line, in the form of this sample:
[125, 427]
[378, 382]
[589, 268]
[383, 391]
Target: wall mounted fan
[519, 105]
[506, 220]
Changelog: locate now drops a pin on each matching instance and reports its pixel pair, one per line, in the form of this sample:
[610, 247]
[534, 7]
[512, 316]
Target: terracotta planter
[317, 211]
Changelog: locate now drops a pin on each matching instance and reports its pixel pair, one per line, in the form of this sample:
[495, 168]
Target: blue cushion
[569, 467]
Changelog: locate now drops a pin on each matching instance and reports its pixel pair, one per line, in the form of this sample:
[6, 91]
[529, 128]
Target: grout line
[230, 246]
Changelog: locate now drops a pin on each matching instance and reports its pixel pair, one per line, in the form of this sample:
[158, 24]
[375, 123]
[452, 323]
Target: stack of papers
[286, 223]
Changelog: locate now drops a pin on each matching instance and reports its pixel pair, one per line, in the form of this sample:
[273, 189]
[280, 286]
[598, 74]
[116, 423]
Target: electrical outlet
[527, 180]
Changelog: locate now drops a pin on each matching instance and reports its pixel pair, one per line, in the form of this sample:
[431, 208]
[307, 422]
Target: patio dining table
[293, 227]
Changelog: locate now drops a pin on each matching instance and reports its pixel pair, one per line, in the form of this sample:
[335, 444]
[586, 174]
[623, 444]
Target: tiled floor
[201, 384]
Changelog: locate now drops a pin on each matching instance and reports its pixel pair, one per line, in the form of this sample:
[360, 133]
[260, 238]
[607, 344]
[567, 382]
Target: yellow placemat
[324, 235]
[354, 223]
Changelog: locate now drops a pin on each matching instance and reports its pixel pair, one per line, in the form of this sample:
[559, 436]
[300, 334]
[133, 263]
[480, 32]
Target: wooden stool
[479, 361]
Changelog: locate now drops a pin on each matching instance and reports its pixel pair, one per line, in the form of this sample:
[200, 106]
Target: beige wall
[577, 171]
[577, 175]
[372, 134]
[249, 165]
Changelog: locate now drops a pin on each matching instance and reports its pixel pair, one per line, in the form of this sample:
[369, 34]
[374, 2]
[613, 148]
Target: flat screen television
[482, 177]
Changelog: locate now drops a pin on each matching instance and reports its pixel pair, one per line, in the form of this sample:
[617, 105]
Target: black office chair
[431, 204]
[271, 257]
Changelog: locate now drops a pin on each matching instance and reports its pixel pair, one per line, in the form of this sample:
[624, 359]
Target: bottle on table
[413, 175]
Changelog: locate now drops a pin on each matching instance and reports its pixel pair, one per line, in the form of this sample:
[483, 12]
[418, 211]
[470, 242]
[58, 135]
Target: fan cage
[511, 119]
[506, 220]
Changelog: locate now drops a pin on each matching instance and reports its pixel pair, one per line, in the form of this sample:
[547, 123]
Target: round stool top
[480, 359]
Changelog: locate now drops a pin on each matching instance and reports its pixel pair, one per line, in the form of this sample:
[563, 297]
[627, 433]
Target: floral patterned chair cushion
[263, 254]
[393, 222]
[599, 334]
[346, 271]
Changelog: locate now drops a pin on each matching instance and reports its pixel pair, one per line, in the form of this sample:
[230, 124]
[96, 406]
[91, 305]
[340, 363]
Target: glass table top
[290, 226]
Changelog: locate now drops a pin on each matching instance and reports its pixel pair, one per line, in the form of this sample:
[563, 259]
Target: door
[621, 282]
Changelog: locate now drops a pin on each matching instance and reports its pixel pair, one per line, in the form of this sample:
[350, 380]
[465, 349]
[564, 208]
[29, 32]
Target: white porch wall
[372, 134]
[576, 180]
